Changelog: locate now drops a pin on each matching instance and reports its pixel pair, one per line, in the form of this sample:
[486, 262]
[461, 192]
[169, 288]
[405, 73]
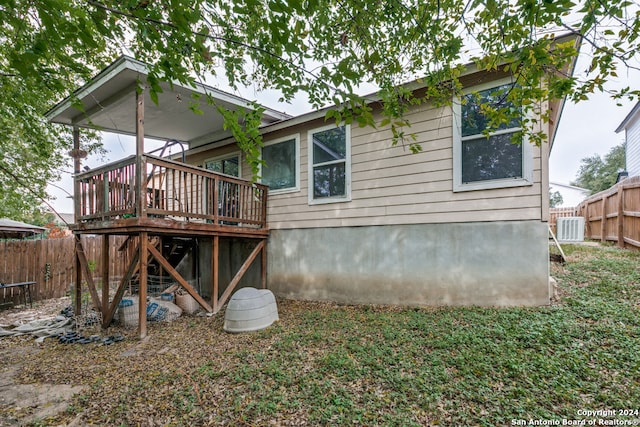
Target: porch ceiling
[108, 103]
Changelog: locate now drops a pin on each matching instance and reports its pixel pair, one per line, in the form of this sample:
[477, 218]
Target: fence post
[620, 216]
[589, 210]
[39, 276]
[603, 219]
[580, 212]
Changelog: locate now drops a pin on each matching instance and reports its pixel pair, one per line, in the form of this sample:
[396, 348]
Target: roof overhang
[108, 103]
[570, 187]
[10, 229]
[556, 107]
[630, 117]
[470, 76]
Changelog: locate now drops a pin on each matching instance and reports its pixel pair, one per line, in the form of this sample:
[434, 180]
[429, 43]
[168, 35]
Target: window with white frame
[281, 167]
[329, 164]
[495, 160]
[228, 165]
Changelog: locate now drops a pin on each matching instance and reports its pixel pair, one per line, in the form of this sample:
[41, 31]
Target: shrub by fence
[50, 263]
[614, 214]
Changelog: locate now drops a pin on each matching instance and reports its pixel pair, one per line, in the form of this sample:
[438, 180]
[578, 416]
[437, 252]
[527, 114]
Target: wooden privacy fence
[555, 213]
[50, 263]
[614, 214]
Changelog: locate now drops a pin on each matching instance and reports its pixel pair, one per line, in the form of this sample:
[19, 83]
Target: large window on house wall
[329, 164]
[503, 158]
[229, 164]
[281, 168]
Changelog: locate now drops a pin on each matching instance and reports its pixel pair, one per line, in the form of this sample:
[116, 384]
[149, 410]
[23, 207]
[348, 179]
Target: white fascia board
[204, 143]
[469, 69]
[228, 98]
[630, 117]
[569, 187]
[122, 63]
[126, 62]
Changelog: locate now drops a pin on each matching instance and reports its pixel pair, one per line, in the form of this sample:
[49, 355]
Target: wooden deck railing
[614, 214]
[173, 189]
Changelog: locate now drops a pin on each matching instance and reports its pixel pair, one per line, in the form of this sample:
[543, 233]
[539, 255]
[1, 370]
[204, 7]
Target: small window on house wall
[280, 170]
[229, 165]
[497, 160]
[329, 164]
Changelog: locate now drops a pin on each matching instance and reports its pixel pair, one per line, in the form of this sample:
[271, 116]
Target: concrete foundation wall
[483, 263]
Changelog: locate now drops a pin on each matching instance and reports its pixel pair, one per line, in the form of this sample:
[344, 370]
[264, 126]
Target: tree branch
[222, 39]
[19, 181]
[598, 48]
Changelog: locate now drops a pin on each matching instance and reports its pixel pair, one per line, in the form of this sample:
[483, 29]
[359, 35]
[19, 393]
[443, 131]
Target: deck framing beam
[178, 278]
[243, 269]
[133, 268]
[84, 265]
[139, 264]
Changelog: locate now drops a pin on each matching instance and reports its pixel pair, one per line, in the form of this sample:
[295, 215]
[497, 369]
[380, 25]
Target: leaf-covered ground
[325, 364]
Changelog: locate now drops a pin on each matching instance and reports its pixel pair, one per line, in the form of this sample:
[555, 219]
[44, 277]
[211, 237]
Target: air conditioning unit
[570, 229]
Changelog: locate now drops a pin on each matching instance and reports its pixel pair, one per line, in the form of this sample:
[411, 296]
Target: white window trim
[347, 166]
[295, 137]
[227, 156]
[527, 150]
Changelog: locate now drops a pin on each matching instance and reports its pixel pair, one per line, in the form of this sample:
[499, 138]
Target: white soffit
[109, 104]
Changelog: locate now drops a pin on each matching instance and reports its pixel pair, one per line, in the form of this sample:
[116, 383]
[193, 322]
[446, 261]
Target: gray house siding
[404, 236]
[633, 148]
[631, 127]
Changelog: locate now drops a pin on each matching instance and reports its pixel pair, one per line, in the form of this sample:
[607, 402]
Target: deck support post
[105, 274]
[76, 215]
[142, 288]
[215, 272]
[141, 193]
[77, 309]
[133, 267]
[263, 271]
[178, 278]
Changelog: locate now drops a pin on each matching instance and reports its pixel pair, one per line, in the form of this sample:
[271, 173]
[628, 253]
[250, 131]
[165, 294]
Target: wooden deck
[167, 226]
[175, 199]
[148, 198]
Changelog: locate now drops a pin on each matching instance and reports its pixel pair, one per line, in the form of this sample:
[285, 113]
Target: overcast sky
[588, 128]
